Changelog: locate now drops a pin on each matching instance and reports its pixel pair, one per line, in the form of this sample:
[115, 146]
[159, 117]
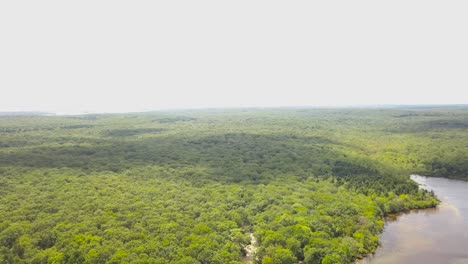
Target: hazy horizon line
[88, 112]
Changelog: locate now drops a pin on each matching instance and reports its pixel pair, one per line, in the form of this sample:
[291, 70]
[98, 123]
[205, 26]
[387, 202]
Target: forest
[311, 185]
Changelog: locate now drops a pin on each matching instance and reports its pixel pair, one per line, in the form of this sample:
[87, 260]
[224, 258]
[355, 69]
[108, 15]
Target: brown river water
[430, 236]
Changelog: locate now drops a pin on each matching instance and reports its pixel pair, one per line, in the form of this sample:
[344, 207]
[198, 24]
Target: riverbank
[435, 235]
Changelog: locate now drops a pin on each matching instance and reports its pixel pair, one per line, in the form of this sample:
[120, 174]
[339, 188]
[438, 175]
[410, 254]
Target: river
[430, 236]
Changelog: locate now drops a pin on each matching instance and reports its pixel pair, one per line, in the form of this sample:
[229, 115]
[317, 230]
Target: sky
[122, 56]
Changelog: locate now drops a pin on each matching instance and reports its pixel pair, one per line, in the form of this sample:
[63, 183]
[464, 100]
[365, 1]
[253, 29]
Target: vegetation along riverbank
[310, 185]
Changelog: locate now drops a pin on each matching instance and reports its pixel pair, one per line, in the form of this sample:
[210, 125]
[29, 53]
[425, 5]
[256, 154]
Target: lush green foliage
[189, 187]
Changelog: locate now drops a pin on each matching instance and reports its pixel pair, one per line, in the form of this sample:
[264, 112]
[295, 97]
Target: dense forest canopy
[311, 185]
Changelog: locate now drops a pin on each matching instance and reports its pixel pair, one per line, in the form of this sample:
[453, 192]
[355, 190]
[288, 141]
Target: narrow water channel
[431, 236]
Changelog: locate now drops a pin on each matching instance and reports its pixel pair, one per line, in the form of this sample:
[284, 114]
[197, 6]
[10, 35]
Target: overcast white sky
[107, 56]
